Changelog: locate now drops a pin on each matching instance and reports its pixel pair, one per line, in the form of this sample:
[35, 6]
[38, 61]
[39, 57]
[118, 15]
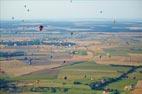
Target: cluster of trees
[101, 84]
[49, 89]
[7, 86]
[21, 43]
[12, 54]
[67, 44]
[77, 83]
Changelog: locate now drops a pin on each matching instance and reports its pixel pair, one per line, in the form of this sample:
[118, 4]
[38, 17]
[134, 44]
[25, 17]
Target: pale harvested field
[18, 68]
[60, 54]
[139, 84]
[138, 88]
[135, 60]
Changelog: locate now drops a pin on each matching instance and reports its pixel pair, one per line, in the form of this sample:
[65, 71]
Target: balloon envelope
[40, 28]
[25, 6]
[12, 18]
[28, 10]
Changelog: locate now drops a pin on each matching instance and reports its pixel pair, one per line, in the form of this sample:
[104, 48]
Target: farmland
[70, 62]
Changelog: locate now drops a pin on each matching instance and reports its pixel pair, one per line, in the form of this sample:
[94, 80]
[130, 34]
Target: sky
[64, 9]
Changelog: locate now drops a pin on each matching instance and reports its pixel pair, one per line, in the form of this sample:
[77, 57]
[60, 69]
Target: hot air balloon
[13, 18]
[40, 27]
[25, 6]
[101, 11]
[71, 33]
[28, 10]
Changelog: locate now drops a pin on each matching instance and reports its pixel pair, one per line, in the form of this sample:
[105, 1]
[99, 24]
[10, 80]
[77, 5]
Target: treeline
[49, 89]
[104, 82]
[21, 43]
[7, 86]
[12, 54]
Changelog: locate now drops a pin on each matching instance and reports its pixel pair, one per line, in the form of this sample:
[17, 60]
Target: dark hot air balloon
[40, 27]
[25, 6]
[13, 18]
[101, 11]
[71, 33]
[28, 10]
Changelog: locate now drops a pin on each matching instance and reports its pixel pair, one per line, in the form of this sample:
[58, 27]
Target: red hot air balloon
[40, 27]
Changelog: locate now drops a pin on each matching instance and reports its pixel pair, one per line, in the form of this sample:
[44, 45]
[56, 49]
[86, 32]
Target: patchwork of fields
[71, 63]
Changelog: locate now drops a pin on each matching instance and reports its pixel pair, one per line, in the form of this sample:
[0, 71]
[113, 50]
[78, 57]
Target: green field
[80, 52]
[78, 77]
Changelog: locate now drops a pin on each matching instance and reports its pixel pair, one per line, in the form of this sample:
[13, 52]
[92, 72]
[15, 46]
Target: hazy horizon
[65, 10]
